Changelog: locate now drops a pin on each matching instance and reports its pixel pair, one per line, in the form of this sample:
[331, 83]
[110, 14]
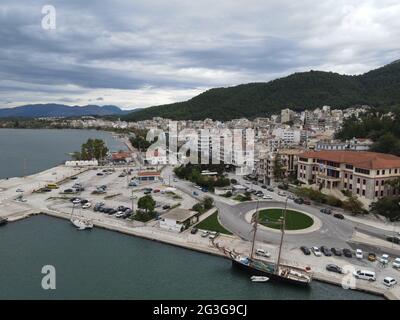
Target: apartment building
[362, 173]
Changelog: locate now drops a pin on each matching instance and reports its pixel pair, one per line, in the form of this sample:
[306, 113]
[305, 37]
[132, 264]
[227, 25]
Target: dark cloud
[143, 53]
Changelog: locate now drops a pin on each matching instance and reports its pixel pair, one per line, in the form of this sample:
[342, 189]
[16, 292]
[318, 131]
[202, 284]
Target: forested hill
[307, 90]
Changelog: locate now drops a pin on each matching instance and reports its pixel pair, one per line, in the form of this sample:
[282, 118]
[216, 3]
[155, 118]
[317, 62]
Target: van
[365, 275]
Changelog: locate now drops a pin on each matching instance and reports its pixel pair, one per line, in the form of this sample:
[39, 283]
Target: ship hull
[272, 276]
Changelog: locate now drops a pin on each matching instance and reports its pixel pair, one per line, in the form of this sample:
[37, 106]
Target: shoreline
[320, 277]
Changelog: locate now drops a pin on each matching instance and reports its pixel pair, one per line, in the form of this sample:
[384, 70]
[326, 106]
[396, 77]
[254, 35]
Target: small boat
[259, 279]
[3, 221]
[82, 224]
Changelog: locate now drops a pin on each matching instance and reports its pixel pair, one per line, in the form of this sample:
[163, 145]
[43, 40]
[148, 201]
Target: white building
[178, 220]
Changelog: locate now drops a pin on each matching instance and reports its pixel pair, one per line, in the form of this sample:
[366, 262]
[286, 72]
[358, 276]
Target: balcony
[328, 178]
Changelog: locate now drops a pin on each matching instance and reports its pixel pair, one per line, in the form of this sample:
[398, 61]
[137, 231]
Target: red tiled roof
[148, 173]
[359, 159]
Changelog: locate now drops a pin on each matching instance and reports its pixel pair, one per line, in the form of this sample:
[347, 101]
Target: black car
[325, 250]
[102, 209]
[127, 211]
[326, 211]
[68, 191]
[84, 201]
[339, 216]
[347, 253]
[334, 268]
[305, 250]
[100, 174]
[166, 207]
[112, 211]
[299, 201]
[395, 240]
[264, 186]
[73, 178]
[336, 252]
[194, 231]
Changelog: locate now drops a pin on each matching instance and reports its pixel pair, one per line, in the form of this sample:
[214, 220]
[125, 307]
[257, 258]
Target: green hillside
[308, 90]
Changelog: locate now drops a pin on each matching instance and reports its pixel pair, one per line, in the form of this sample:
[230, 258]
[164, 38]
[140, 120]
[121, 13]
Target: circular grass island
[295, 220]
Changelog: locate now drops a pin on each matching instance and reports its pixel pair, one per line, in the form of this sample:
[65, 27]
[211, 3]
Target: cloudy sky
[135, 53]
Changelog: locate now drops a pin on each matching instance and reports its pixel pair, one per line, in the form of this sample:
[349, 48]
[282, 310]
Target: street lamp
[133, 204]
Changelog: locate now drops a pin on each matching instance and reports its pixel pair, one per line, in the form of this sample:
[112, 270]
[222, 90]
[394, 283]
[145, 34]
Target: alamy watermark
[49, 20]
[49, 280]
[203, 146]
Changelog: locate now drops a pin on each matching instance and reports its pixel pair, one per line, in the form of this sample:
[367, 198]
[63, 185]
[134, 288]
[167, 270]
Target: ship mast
[255, 223]
[282, 234]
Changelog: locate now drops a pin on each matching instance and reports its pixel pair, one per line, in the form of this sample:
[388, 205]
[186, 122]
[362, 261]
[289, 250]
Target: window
[377, 183]
[382, 193]
[358, 191]
[345, 185]
[345, 175]
[364, 182]
[351, 177]
[351, 187]
[383, 172]
[382, 182]
[349, 166]
[376, 193]
[363, 171]
[395, 171]
[363, 193]
[358, 180]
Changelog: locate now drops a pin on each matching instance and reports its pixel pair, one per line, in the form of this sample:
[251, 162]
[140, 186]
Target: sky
[134, 53]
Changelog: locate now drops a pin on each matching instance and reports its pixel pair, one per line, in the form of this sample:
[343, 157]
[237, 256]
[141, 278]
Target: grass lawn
[212, 224]
[241, 198]
[294, 220]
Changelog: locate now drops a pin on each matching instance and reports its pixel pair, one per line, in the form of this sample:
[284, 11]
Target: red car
[308, 202]
[156, 191]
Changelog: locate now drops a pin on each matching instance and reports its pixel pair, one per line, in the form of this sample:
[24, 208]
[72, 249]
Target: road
[332, 233]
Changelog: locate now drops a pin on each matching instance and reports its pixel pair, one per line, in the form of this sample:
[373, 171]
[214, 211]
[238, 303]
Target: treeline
[193, 173]
[382, 128]
[299, 91]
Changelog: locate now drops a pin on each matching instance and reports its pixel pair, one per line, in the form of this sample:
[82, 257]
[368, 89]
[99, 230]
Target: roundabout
[294, 220]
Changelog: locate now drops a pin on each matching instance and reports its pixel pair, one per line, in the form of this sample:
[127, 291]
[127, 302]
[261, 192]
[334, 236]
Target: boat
[3, 221]
[274, 271]
[259, 279]
[82, 224]
[79, 222]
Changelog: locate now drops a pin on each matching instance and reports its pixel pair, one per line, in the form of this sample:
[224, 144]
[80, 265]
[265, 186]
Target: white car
[364, 275]
[384, 259]
[359, 254]
[19, 190]
[282, 194]
[396, 263]
[389, 282]
[267, 197]
[316, 251]
[76, 201]
[86, 205]
[119, 214]
[262, 253]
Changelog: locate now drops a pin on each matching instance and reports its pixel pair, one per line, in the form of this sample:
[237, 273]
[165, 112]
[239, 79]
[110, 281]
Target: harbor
[56, 204]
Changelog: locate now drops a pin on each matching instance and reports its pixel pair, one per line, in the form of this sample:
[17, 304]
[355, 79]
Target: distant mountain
[59, 110]
[380, 87]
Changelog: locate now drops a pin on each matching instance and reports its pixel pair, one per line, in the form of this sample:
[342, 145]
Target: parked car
[347, 253]
[100, 174]
[205, 234]
[147, 192]
[334, 268]
[339, 216]
[68, 191]
[359, 254]
[305, 250]
[389, 281]
[307, 202]
[264, 186]
[371, 257]
[384, 259]
[213, 235]
[299, 200]
[336, 252]
[316, 251]
[86, 205]
[166, 207]
[326, 211]
[195, 193]
[263, 253]
[396, 263]
[270, 189]
[156, 190]
[73, 178]
[76, 201]
[325, 250]
[194, 230]
[267, 197]
[19, 190]
[365, 275]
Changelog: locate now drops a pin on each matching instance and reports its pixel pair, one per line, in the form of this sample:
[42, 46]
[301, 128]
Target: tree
[92, 149]
[388, 207]
[387, 143]
[394, 183]
[208, 203]
[278, 168]
[147, 203]
[354, 206]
